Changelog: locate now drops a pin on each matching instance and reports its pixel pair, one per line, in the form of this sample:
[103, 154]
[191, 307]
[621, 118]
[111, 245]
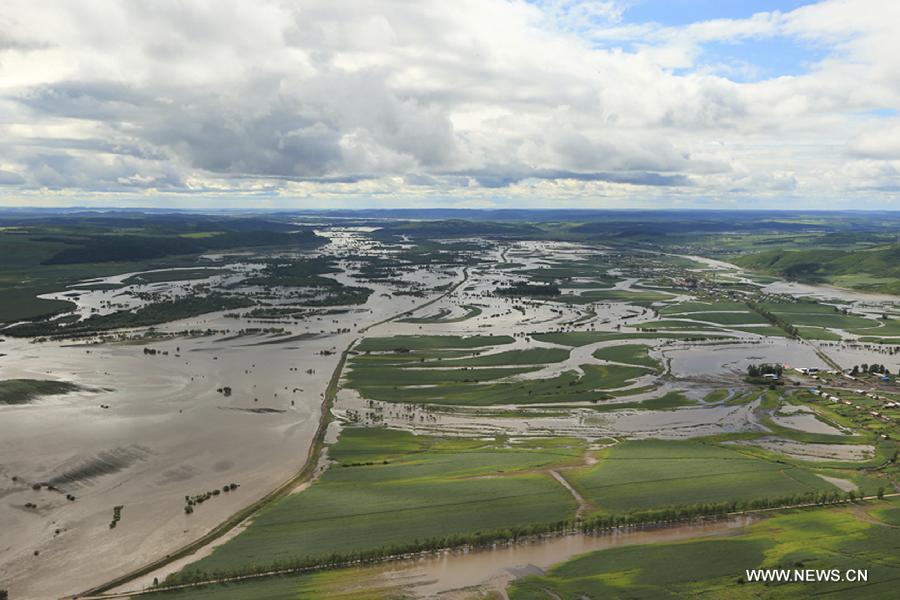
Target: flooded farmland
[232, 398]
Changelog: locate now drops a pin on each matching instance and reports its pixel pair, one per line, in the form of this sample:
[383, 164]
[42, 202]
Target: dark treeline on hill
[309, 273]
[694, 226]
[114, 236]
[152, 314]
[115, 248]
[155, 222]
[456, 228]
[860, 220]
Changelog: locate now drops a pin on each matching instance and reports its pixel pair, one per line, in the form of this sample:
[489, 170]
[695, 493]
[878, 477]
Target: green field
[638, 475]
[632, 354]
[22, 303]
[705, 329]
[818, 333]
[474, 388]
[634, 297]
[726, 318]
[833, 538]
[531, 356]
[881, 329]
[567, 387]
[390, 488]
[430, 342]
[695, 307]
[817, 315]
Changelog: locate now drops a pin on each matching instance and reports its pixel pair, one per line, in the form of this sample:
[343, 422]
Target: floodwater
[691, 360]
[168, 432]
[806, 421]
[458, 574]
[813, 452]
[148, 430]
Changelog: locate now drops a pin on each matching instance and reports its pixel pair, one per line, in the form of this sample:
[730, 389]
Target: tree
[880, 493]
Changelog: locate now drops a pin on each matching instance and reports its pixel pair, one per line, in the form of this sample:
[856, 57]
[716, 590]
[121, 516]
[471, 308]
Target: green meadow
[644, 474]
[633, 354]
[634, 297]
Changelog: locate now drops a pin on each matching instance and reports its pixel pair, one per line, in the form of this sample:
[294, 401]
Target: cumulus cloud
[466, 100]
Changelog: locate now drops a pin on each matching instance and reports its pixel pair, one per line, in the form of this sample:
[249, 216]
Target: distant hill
[873, 269]
[456, 228]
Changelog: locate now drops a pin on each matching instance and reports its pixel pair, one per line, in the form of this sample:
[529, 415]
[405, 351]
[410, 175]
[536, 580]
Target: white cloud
[478, 100]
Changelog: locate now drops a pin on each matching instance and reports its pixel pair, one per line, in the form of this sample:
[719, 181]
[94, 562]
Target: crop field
[637, 475]
[835, 538]
[818, 316]
[704, 328]
[726, 318]
[887, 328]
[633, 354]
[430, 342]
[818, 333]
[699, 307]
[633, 297]
[531, 356]
[21, 303]
[389, 488]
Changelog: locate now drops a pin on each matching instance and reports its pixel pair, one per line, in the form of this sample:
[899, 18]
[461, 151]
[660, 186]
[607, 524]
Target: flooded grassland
[542, 367]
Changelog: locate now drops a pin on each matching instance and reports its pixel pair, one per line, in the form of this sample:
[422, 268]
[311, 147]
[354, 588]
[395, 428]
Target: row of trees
[485, 539]
[774, 319]
[764, 369]
[873, 368]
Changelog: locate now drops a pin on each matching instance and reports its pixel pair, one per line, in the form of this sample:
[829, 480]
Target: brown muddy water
[466, 574]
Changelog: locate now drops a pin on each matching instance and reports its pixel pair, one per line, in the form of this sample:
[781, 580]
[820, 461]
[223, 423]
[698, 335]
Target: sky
[465, 103]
